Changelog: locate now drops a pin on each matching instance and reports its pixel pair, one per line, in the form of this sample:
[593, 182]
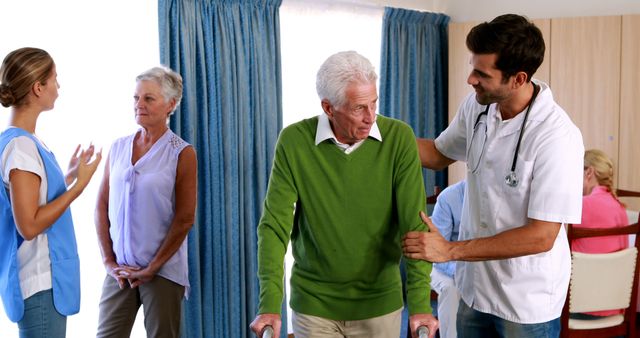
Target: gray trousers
[162, 304]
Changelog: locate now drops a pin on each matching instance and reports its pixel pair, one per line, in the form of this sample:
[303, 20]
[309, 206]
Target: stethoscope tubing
[512, 179]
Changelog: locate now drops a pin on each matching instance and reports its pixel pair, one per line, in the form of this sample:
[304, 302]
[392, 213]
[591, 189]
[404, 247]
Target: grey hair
[339, 71]
[170, 82]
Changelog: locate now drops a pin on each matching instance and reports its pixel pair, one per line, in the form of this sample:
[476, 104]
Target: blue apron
[63, 252]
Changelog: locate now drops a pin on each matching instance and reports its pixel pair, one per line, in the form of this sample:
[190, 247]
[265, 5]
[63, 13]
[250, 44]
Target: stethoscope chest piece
[511, 179]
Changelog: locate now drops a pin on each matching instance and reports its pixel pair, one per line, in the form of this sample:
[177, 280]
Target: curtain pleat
[413, 75]
[228, 53]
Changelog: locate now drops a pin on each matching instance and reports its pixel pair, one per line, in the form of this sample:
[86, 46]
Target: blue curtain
[228, 53]
[413, 75]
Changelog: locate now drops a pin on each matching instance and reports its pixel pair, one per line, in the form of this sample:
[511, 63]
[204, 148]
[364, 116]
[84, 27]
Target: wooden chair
[627, 193]
[632, 213]
[591, 289]
[431, 200]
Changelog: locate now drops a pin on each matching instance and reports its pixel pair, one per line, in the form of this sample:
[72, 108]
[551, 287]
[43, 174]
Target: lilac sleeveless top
[142, 204]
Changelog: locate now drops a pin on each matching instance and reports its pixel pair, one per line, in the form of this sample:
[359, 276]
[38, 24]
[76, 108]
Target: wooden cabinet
[629, 149]
[459, 69]
[585, 77]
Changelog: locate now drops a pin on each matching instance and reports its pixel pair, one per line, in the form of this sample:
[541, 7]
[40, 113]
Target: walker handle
[423, 332]
[267, 332]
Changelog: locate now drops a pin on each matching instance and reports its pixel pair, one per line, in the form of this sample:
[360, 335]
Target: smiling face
[150, 105]
[487, 80]
[352, 121]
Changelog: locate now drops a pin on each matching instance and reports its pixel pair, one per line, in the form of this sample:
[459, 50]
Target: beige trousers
[385, 326]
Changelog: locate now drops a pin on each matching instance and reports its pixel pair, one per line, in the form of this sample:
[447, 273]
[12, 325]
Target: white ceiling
[470, 10]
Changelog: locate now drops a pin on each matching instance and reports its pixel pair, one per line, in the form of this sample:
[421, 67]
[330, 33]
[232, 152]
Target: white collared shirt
[324, 131]
[529, 289]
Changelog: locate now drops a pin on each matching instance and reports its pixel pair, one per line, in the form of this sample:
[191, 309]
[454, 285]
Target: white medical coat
[529, 289]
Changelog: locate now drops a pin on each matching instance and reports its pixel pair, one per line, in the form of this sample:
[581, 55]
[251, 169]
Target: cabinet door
[459, 69]
[629, 153]
[585, 77]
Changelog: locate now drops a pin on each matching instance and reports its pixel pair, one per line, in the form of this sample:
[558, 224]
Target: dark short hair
[518, 43]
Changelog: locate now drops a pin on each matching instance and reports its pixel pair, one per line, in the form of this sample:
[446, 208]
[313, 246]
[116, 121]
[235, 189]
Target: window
[98, 50]
[312, 31]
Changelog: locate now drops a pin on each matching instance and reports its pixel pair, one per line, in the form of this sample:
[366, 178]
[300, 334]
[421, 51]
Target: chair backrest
[603, 282]
[633, 213]
[434, 198]
[627, 193]
[633, 216]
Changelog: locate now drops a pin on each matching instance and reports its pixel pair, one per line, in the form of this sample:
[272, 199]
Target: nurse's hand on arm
[428, 246]
[532, 238]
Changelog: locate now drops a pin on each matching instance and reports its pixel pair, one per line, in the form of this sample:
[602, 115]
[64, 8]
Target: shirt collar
[540, 111]
[599, 189]
[324, 131]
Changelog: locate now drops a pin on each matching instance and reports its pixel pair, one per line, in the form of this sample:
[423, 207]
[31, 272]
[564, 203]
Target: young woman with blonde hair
[39, 266]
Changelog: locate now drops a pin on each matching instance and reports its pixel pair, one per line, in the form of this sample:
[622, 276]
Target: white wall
[471, 10]
[99, 47]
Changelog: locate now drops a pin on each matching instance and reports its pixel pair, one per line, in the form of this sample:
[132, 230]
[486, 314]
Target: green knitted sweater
[345, 215]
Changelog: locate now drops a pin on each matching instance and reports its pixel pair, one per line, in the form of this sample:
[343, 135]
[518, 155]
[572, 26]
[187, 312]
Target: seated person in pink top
[600, 209]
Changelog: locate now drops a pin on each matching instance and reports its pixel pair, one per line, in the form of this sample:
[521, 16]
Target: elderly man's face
[352, 121]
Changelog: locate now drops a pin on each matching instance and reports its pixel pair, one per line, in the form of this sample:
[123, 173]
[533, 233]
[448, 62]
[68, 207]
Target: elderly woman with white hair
[145, 209]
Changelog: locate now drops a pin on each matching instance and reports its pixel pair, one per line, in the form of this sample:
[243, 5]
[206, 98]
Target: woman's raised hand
[83, 166]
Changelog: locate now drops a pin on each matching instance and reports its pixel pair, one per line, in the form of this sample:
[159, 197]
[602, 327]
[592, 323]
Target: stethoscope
[511, 179]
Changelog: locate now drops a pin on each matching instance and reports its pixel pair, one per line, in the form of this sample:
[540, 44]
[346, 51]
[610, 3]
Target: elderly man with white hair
[345, 186]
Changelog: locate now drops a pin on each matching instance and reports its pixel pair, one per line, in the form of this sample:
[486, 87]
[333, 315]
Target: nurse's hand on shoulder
[428, 246]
